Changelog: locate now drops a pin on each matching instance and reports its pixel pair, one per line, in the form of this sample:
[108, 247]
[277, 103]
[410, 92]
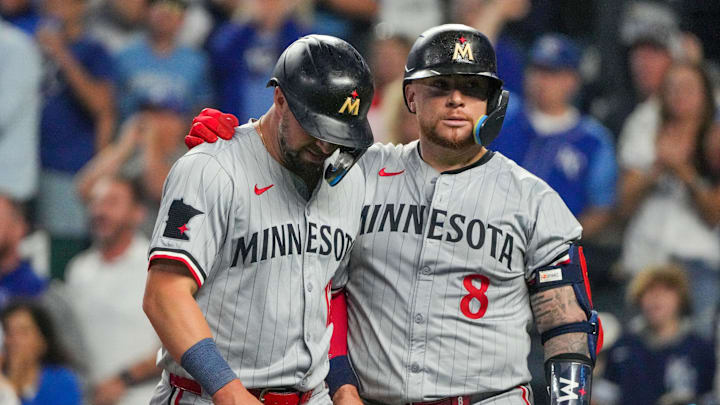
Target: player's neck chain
[259, 131]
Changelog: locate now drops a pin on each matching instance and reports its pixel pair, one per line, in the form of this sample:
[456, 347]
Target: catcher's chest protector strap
[571, 269]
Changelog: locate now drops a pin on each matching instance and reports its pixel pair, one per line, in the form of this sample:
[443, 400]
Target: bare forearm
[567, 343]
[95, 95]
[104, 128]
[634, 186]
[172, 310]
[359, 8]
[556, 307]
[156, 170]
[106, 163]
[705, 197]
[145, 369]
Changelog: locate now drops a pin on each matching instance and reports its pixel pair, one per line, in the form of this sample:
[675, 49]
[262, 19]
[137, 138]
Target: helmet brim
[459, 69]
[355, 134]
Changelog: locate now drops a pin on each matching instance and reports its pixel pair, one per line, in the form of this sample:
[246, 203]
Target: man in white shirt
[105, 287]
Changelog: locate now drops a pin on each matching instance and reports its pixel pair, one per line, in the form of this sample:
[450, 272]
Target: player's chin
[451, 137]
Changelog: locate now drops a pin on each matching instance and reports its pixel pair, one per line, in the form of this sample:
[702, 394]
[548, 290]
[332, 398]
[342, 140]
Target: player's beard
[307, 171]
[460, 141]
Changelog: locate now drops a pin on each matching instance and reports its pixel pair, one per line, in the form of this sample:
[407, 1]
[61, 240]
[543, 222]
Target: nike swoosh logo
[383, 173]
[259, 191]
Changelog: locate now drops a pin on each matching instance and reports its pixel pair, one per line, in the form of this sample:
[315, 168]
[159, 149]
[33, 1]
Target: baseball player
[249, 236]
[459, 248]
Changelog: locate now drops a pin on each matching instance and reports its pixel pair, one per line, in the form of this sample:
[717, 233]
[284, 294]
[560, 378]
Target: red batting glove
[209, 125]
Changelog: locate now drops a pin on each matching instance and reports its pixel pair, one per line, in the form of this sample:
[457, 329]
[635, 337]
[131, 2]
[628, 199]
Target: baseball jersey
[262, 254]
[436, 284]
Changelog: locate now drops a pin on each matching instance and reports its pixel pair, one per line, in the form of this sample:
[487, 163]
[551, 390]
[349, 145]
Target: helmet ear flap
[488, 126]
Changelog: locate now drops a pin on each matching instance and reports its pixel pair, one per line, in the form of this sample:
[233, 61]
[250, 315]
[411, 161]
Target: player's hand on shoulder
[209, 125]
[233, 393]
[347, 395]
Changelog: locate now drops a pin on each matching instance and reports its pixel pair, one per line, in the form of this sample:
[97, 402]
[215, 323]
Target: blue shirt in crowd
[145, 76]
[67, 136]
[20, 282]
[27, 20]
[57, 386]
[644, 373]
[243, 59]
[579, 163]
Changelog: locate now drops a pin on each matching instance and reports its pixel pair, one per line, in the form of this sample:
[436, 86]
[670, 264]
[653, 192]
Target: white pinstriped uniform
[416, 332]
[262, 255]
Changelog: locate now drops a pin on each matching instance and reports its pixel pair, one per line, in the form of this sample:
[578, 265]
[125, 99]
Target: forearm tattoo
[555, 307]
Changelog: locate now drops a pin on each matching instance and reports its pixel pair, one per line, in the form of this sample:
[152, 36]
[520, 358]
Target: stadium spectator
[659, 360]
[21, 13]
[35, 364]
[105, 287]
[7, 392]
[670, 191]
[243, 55]
[77, 120]
[549, 137]
[387, 61]
[17, 277]
[400, 125]
[20, 75]
[650, 56]
[158, 67]
[148, 144]
[117, 23]
[490, 18]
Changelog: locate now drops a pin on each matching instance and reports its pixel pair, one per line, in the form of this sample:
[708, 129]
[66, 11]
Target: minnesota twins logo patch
[463, 51]
[351, 104]
[179, 215]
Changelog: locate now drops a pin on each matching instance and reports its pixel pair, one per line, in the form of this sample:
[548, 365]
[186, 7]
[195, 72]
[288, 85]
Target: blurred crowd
[613, 103]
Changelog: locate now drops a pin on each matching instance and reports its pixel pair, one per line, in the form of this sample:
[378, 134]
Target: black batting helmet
[456, 49]
[318, 74]
[329, 89]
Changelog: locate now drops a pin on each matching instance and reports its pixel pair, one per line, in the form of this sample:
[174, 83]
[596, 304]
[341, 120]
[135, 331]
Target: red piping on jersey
[524, 394]
[583, 266]
[178, 397]
[338, 317]
[327, 302]
[179, 259]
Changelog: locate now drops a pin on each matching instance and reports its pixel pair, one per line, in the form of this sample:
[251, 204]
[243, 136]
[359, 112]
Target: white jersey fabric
[262, 254]
[436, 283]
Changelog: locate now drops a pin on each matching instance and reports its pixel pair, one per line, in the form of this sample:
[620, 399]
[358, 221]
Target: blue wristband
[341, 373]
[205, 364]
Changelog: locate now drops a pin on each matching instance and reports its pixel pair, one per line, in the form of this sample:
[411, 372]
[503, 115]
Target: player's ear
[279, 98]
[410, 97]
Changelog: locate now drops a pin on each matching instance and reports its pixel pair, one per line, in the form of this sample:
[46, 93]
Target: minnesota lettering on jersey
[281, 240]
[409, 218]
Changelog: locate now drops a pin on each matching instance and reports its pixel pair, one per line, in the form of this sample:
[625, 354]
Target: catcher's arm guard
[569, 326]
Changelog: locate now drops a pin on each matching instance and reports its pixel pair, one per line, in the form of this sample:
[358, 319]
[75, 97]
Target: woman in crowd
[35, 364]
[670, 188]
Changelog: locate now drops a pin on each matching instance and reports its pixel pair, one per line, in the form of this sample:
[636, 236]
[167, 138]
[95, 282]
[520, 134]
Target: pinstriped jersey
[437, 299]
[262, 255]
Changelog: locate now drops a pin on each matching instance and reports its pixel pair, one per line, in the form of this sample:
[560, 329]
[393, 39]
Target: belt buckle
[261, 396]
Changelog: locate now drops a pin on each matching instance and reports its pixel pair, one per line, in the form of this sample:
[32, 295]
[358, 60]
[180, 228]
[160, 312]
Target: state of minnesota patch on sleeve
[179, 215]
